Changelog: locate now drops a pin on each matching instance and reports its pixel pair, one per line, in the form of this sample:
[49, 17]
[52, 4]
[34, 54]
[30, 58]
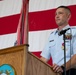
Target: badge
[68, 36]
[62, 46]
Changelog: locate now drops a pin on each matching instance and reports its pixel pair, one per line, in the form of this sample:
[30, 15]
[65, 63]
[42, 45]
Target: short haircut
[65, 7]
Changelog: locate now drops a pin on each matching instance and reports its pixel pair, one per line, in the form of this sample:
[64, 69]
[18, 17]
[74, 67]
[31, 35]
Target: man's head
[62, 15]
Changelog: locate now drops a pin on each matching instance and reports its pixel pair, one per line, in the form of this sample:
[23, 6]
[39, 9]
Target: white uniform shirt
[55, 46]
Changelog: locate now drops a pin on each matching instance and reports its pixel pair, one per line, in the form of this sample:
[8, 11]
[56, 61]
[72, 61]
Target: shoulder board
[52, 32]
[73, 27]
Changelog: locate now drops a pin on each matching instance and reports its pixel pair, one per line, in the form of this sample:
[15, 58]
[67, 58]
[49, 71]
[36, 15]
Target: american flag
[41, 21]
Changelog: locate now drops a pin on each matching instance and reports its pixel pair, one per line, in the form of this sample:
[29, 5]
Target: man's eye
[60, 13]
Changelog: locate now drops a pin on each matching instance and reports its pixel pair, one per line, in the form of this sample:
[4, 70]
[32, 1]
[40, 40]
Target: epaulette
[72, 27]
[52, 32]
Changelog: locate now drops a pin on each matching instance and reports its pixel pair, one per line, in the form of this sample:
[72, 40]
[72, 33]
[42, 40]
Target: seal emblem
[7, 69]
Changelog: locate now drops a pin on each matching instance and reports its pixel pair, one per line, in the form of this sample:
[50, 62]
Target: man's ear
[69, 16]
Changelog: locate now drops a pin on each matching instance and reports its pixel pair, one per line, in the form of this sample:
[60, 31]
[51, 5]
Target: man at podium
[56, 45]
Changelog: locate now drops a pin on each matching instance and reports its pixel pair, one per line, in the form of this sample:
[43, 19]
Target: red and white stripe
[41, 21]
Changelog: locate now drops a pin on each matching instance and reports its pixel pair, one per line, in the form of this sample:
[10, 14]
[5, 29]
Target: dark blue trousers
[70, 72]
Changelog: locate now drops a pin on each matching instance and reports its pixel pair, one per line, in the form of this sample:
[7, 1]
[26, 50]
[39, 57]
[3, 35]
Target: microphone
[63, 31]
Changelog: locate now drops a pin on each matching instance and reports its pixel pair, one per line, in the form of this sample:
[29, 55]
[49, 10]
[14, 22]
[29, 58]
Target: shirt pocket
[52, 44]
[67, 43]
[68, 48]
[52, 47]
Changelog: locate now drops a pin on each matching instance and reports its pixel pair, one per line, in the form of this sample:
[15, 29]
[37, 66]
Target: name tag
[51, 40]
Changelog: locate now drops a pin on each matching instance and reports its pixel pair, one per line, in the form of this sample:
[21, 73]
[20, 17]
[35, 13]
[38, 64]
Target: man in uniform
[55, 45]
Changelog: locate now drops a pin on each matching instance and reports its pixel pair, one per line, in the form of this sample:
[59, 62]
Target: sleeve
[46, 52]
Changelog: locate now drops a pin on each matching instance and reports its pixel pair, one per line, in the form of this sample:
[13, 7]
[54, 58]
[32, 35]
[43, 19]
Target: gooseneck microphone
[63, 31]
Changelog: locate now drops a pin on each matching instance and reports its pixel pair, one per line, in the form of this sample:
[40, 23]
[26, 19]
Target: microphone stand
[63, 32]
[64, 54]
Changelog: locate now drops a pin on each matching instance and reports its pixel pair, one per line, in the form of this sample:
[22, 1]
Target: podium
[18, 61]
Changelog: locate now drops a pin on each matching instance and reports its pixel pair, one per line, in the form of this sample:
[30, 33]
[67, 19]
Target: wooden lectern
[24, 62]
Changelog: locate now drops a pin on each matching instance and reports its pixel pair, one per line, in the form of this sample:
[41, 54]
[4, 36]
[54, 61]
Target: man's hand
[57, 68]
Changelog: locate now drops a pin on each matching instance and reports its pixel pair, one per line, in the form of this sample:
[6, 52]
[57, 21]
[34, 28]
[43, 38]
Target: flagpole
[25, 32]
[22, 28]
[24, 25]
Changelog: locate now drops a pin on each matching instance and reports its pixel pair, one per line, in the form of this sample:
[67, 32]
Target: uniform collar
[67, 26]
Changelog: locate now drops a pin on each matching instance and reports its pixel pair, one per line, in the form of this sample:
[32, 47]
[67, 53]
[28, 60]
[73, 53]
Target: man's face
[62, 16]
